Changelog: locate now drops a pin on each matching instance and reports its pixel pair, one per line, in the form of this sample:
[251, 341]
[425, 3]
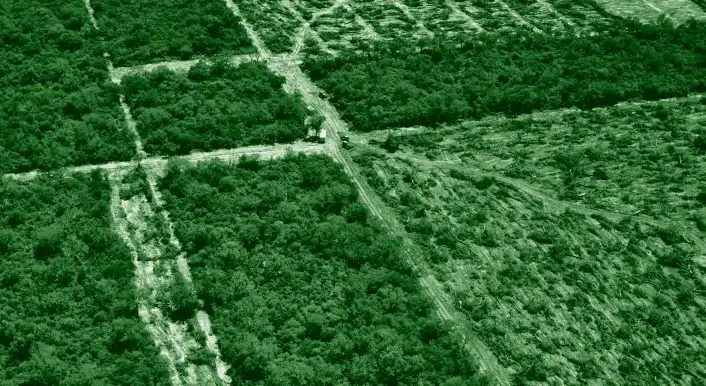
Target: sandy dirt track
[297, 81]
[230, 155]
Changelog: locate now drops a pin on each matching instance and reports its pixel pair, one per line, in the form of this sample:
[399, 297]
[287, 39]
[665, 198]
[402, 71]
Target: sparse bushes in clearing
[519, 290]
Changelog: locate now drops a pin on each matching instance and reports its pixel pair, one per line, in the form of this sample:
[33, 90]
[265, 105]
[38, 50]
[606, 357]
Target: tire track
[305, 29]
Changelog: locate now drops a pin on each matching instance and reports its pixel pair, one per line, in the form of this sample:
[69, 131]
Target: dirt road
[298, 82]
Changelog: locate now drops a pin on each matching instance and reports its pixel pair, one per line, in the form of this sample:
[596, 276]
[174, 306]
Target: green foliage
[67, 302]
[135, 183]
[183, 302]
[302, 288]
[401, 85]
[213, 106]
[140, 32]
[56, 107]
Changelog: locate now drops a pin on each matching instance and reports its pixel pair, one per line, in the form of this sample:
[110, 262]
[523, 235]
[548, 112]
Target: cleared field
[55, 107]
[67, 300]
[339, 29]
[275, 24]
[141, 31]
[647, 159]
[677, 11]
[583, 265]
[586, 14]
[397, 84]
[212, 106]
[303, 288]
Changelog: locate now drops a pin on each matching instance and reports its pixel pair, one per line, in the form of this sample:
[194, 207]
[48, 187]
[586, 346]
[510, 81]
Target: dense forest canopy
[68, 314]
[146, 31]
[213, 106]
[442, 80]
[302, 287]
[56, 108]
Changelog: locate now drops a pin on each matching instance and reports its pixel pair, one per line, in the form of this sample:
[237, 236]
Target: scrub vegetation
[572, 241]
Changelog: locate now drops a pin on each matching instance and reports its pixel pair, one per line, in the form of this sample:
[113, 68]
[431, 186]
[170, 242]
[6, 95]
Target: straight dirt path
[518, 17]
[407, 12]
[297, 81]
[133, 220]
[456, 10]
[305, 29]
[229, 155]
[117, 73]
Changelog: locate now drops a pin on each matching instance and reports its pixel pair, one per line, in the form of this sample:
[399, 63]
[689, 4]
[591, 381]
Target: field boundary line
[304, 29]
[407, 12]
[367, 27]
[183, 267]
[147, 284]
[518, 17]
[544, 114]
[463, 15]
[117, 73]
[171, 332]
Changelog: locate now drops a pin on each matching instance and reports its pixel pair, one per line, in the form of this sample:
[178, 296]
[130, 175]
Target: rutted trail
[305, 28]
[297, 81]
[369, 30]
[203, 320]
[552, 9]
